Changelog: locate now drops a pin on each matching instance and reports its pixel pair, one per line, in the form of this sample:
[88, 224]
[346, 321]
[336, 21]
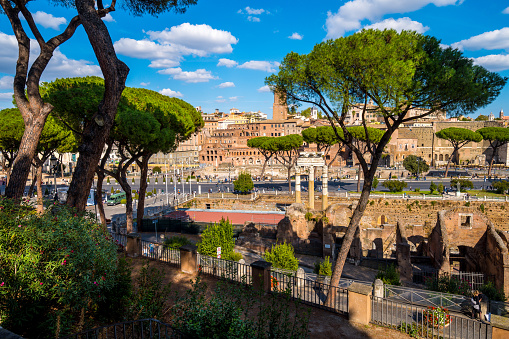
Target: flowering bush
[437, 316]
[449, 284]
[56, 269]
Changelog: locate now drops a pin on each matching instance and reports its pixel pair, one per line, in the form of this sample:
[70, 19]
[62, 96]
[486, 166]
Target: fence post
[261, 275]
[189, 259]
[133, 246]
[379, 288]
[359, 303]
[300, 275]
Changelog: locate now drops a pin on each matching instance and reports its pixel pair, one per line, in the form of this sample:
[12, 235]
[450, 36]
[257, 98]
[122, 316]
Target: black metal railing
[137, 329]
[157, 251]
[426, 322]
[225, 269]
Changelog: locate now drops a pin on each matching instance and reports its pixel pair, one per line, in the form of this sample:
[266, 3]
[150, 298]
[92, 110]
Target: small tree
[282, 256]
[394, 185]
[217, 235]
[156, 169]
[440, 188]
[324, 267]
[432, 187]
[501, 186]
[458, 137]
[464, 184]
[244, 183]
[375, 183]
[415, 165]
[497, 137]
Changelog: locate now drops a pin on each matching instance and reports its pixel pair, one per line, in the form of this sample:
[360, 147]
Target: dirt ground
[322, 324]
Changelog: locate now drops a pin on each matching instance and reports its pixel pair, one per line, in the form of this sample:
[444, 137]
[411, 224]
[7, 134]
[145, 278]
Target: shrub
[54, 265]
[501, 187]
[432, 187]
[133, 181]
[481, 207]
[464, 184]
[448, 284]
[156, 169]
[108, 180]
[176, 242]
[389, 276]
[123, 201]
[235, 256]
[308, 216]
[187, 179]
[386, 203]
[282, 256]
[467, 204]
[394, 185]
[492, 292]
[217, 235]
[374, 185]
[440, 188]
[148, 194]
[417, 189]
[324, 267]
[244, 183]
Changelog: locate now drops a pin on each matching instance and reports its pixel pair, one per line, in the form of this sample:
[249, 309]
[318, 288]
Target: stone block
[189, 259]
[359, 303]
[261, 275]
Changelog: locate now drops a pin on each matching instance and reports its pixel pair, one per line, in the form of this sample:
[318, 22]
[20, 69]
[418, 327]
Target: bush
[176, 242]
[123, 201]
[374, 185]
[417, 189]
[244, 183]
[282, 256]
[394, 185]
[235, 256]
[432, 187]
[440, 188]
[448, 284]
[492, 292]
[481, 207]
[156, 169]
[464, 184]
[501, 187]
[389, 276]
[217, 235]
[308, 216]
[324, 267]
[55, 266]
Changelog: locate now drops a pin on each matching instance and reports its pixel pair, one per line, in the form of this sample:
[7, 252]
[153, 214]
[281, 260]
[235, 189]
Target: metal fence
[137, 329]
[157, 251]
[226, 269]
[474, 279]
[120, 239]
[420, 321]
[308, 291]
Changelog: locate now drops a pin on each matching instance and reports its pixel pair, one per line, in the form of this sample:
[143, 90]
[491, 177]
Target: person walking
[476, 305]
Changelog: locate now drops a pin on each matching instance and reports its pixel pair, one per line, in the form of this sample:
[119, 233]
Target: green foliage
[389, 276]
[433, 203]
[501, 187]
[441, 188]
[156, 169]
[481, 207]
[432, 187]
[464, 184]
[448, 284]
[417, 189]
[232, 312]
[235, 256]
[492, 292]
[54, 264]
[108, 180]
[46, 192]
[482, 117]
[187, 179]
[308, 216]
[244, 183]
[467, 204]
[217, 235]
[415, 165]
[176, 242]
[323, 267]
[375, 183]
[133, 181]
[282, 256]
[123, 201]
[394, 185]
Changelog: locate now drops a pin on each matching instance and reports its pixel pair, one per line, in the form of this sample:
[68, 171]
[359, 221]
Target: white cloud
[233, 98]
[200, 75]
[264, 89]
[350, 16]
[48, 20]
[226, 84]
[506, 11]
[260, 65]
[146, 49]
[6, 82]
[399, 25]
[494, 62]
[59, 65]
[253, 19]
[220, 99]
[6, 96]
[200, 40]
[144, 84]
[108, 18]
[227, 62]
[295, 36]
[170, 93]
[251, 11]
[498, 39]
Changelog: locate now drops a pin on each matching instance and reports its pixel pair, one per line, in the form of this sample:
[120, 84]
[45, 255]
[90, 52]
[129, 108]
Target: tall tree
[458, 137]
[497, 137]
[398, 72]
[287, 152]
[265, 147]
[415, 165]
[324, 137]
[26, 86]
[11, 131]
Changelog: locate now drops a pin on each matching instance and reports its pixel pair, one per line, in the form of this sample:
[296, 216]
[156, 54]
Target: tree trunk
[94, 136]
[492, 159]
[359, 178]
[447, 166]
[122, 180]
[263, 168]
[40, 207]
[290, 180]
[32, 185]
[23, 162]
[143, 188]
[99, 201]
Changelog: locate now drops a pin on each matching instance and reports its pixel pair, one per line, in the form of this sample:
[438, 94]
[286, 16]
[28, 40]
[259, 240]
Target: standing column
[311, 184]
[325, 191]
[297, 185]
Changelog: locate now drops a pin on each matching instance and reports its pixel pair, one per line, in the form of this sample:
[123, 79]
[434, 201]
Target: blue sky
[218, 53]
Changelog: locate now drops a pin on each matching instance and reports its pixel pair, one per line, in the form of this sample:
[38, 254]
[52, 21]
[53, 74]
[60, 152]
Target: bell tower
[279, 108]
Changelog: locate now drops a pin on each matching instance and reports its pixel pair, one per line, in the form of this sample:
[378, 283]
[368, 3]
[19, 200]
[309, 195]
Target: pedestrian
[476, 305]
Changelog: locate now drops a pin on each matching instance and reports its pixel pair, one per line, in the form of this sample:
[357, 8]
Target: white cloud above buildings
[351, 15]
[266, 66]
[264, 89]
[144, 84]
[171, 93]
[226, 84]
[295, 36]
[227, 63]
[399, 25]
[200, 75]
[220, 99]
[233, 99]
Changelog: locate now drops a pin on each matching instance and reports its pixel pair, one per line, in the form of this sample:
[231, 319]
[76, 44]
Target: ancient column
[297, 185]
[311, 184]
[325, 191]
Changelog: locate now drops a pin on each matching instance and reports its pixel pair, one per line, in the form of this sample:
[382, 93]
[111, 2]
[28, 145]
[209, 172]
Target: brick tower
[279, 108]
